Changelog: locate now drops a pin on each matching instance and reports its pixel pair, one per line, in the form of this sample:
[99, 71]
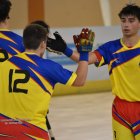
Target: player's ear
[42, 48]
[43, 44]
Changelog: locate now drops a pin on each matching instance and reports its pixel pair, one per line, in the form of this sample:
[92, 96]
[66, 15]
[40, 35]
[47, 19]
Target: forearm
[82, 69]
[75, 56]
[81, 72]
[91, 58]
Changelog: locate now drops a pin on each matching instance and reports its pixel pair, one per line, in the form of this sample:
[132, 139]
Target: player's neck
[3, 25]
[32, 51]
[131, 41]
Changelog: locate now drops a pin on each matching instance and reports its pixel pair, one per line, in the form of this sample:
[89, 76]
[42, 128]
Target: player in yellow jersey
[10, 42]
[123, 59]
[27, 83]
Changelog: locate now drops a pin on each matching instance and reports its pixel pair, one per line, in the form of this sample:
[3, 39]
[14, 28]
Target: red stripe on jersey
[98, 55]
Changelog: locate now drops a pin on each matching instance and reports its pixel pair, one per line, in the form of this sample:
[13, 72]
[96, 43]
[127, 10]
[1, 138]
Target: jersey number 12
[13, 87]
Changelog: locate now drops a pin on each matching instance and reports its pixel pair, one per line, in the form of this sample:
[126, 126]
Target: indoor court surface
[82, 117]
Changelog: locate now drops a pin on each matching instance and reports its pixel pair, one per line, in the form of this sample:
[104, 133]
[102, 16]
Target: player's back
[27, 83]
[25, 90]
[24, 96]
[10, 44]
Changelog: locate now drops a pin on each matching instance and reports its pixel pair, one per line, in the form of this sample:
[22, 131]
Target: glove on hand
[84, 41]
[57, 45]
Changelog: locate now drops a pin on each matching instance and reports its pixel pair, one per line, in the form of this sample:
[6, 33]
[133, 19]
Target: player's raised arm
[84, 46]
[91, 35]
[58, 45]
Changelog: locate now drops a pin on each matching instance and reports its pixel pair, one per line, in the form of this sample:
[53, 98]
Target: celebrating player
[27, 83]
[123, 59]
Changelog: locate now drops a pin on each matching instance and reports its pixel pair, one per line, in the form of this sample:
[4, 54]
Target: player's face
[130, 25]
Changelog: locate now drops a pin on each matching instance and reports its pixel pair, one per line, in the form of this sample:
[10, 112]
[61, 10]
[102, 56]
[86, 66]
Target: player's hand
[57, 45]
[84, 41]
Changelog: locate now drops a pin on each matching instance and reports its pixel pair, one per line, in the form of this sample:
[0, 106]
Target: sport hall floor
[81, 117]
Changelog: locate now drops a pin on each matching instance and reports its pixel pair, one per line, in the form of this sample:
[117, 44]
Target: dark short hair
[42, 23]
[33, 35]
[5, 6]
[130, 9]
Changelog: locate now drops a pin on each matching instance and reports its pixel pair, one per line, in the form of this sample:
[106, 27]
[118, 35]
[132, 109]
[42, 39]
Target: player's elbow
[79, 84]
[82, 84]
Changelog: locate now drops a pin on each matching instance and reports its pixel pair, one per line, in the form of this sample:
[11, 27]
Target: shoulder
[109, 47]
[49, 62]
[9, 32]
[112, 42]
[14, 34]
